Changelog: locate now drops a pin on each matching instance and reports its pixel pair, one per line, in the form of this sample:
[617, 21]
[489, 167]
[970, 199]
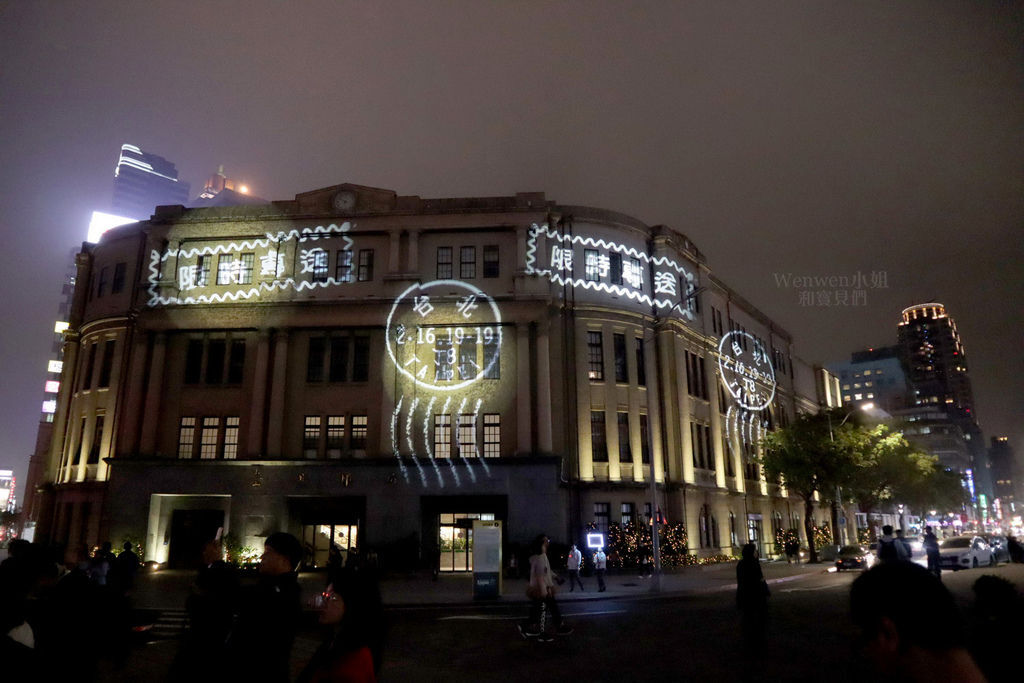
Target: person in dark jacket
[269, 614]
[752, 599]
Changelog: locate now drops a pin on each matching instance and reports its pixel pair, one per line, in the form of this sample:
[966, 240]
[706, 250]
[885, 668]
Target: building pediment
[347, 198]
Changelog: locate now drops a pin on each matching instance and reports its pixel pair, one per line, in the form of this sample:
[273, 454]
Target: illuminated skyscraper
[935, 359]
[143, 181]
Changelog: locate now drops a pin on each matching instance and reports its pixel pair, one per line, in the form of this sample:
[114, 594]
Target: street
[690, 636]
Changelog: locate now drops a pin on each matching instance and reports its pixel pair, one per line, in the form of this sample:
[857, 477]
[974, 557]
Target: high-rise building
[873, 376]
[143, 181]
[220, 190]
[1007, 481]
[7, 497]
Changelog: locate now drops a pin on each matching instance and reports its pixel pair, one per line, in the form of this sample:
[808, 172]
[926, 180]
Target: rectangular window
[225, 268]
[359, 431]
[231, 438]
[193, 361]
[595, 356]
[468, 366]
[625, 448]
[641, 364]
[236, 362]
[361, 359]
[467, 262]
[315, 359]
[365, 273]
[101, 287]
[619, 346]
[602, 516]
[335, 435]
[343, 266]
[492, 435]
[591, 265]
[442, 436]
[311, 436]
[492, 359]
[700, 442]
[598, 439]
[615, 268]
[208, 438]
[491, 265]
[203, 265]
[215, 352]
[321, 265]
[628, 514]
[465, 435]
[90, 363]
[634, 274]
[245, 269]
[118, 284]
[444, 263]
[730, 470]
[339, 359]
[444, 359]
[107, 363]
[97, 442]
[696, 382]
[645, 442]
[186, 437]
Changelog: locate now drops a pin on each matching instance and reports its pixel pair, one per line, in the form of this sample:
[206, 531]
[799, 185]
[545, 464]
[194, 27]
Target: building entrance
[190, 531]
[317, 540]
[455, 540]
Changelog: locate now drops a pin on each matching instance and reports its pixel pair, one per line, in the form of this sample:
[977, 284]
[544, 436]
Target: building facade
[874, 376]
[143, 181]
[375, 370]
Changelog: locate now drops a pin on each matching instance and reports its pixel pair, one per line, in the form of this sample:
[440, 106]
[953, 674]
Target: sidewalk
[168, 589]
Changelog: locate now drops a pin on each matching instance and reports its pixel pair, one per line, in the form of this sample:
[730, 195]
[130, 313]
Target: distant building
[873, 376]
[7, 491]
[143, 181]
[220, 190]
[1007, 477]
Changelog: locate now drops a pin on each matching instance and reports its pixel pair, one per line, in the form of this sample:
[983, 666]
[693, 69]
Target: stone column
[524, 407]
[413, 257]
[151, 414]
[543, 388]
[394, 251]
[584, 455]
[278, 387]
[135, 396]
[664, 341]
[654, 412]
[710, 367]
[685, 416]
[257, 404]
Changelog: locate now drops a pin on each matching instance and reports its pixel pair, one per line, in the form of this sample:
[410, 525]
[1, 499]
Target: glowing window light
[101, 222]
[60, 326]
[52, 386]
[55, 366]
[49, 407]
[595, 540]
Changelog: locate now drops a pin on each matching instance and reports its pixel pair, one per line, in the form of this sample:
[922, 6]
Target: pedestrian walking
[752, 600]
[572, 565]
[1015, 549]
[600, 567]
[541, 592]
[890, 548]
[931, 549]
[268, 615]
[792, 548]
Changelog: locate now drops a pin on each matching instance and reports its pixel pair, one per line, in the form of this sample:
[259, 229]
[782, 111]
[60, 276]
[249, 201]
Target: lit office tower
[935, 360]
[143, 181]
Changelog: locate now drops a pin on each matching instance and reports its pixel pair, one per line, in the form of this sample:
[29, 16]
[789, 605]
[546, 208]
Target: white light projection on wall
[747, 374]
[611, 267]
[233, 277]
[444, 338]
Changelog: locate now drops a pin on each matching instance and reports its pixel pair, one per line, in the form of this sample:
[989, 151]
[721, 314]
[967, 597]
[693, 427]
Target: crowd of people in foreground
[72, 620]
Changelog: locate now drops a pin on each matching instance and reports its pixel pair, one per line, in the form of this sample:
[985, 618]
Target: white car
[965, 552]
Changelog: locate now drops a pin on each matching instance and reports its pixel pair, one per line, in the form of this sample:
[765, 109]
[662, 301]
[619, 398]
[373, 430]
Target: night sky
[808, 138]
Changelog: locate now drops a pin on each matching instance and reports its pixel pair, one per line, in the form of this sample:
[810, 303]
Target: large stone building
[365, 368]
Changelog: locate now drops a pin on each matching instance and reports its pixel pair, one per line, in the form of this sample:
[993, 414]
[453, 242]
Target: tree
[813, 455]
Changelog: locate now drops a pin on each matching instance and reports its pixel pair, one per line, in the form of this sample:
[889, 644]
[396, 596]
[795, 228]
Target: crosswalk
[170, 624]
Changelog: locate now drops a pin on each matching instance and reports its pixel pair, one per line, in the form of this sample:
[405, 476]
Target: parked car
[965, 552]
[999, 546]
[854, 557]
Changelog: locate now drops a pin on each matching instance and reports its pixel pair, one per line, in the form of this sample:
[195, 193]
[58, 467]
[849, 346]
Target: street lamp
[840, 531]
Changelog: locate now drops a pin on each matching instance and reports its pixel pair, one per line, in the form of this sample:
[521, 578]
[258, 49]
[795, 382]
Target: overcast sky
[811, 138]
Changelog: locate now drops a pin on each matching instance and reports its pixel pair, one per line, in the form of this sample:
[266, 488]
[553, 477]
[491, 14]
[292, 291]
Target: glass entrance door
[317, 539]
[455, 540]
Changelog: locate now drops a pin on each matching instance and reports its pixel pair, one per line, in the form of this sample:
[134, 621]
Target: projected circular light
[746, 370]
[444, 335]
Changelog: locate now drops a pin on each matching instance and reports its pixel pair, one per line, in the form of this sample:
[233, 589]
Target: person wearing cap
[269, 613]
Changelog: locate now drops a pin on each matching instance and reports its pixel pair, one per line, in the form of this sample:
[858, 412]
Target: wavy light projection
[619, 290]
[157, 259]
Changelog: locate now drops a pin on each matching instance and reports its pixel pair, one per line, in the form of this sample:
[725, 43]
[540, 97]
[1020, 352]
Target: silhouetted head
[749, 551]
[887, 530]
[282, 553]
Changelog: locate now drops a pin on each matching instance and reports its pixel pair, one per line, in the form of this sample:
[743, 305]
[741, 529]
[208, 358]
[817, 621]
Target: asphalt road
[658, 638]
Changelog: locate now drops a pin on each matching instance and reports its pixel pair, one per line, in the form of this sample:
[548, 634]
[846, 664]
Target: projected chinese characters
[747, 374]
[613, 268]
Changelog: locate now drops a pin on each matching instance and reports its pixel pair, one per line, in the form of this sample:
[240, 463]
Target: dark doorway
[190, 530]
